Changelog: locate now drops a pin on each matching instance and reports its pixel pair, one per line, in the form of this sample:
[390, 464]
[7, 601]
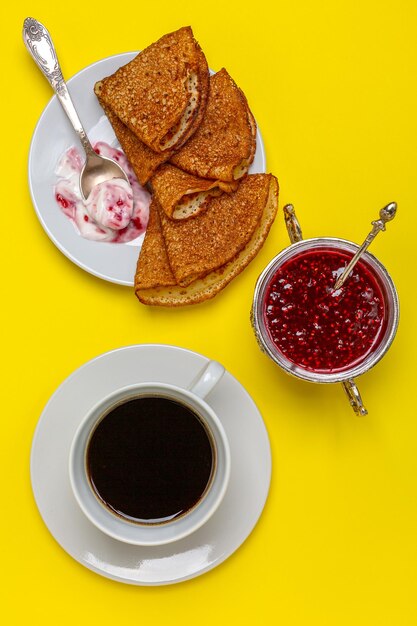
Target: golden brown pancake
[224, 144]
[153, 269]
[162, 93]
[207, 287]
[196, 247]
[182, 195]
[143, 160]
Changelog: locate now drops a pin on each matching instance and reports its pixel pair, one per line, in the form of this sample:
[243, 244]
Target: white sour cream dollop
[115, 211]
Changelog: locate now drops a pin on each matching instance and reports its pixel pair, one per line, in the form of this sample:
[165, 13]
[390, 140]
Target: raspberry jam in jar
[316, 327]
[314, 331]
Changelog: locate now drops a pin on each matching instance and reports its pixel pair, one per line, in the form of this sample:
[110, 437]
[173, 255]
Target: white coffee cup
[154, 534]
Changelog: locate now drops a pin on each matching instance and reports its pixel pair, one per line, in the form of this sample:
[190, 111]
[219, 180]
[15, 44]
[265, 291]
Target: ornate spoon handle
[385, 215]
[39, 43]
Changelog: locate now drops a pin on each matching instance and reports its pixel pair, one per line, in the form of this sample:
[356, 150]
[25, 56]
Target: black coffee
[150, 459]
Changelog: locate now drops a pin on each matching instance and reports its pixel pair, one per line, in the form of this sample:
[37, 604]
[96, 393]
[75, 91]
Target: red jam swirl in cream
[315, 327]
[115, 211]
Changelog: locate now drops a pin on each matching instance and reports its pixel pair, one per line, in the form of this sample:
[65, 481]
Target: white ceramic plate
[53, 135]
[207, 547]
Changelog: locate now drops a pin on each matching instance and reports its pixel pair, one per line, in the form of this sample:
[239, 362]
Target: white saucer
[208, 546]
[53, 135]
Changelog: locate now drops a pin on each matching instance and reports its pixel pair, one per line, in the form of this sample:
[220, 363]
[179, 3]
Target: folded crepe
[153, 265]
[143, 160]
[182, 195]
[196, 247]
[223, 146]
[155, 280]
[161, 94]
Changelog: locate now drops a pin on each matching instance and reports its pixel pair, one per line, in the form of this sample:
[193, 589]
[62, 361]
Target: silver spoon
[385, 215]
[97, 169]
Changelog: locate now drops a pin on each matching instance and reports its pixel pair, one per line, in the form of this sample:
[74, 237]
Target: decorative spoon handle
[385, 215]
[39, 43]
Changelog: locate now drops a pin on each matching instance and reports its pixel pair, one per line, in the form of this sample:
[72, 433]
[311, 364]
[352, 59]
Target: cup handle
[207, 379]
[354, 397]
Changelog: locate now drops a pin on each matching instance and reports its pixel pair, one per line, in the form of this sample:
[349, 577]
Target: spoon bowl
[98, 169]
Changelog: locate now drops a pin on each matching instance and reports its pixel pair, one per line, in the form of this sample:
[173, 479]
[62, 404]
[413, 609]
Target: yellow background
[333, 88]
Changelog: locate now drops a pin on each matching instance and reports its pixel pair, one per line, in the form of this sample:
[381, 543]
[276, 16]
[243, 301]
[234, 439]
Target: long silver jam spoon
[385, 215]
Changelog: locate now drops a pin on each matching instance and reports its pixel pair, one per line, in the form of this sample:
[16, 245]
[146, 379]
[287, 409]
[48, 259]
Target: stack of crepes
[191, 138]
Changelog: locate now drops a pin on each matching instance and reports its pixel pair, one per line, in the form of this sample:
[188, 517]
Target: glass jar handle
[354, 397]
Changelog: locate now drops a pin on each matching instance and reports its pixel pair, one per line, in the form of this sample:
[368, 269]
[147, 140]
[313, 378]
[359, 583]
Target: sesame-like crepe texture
[161, 94]
[143, 160]
[182, 195]
[207, 287]
[153, 269]
[197, 246]
[224, 144]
